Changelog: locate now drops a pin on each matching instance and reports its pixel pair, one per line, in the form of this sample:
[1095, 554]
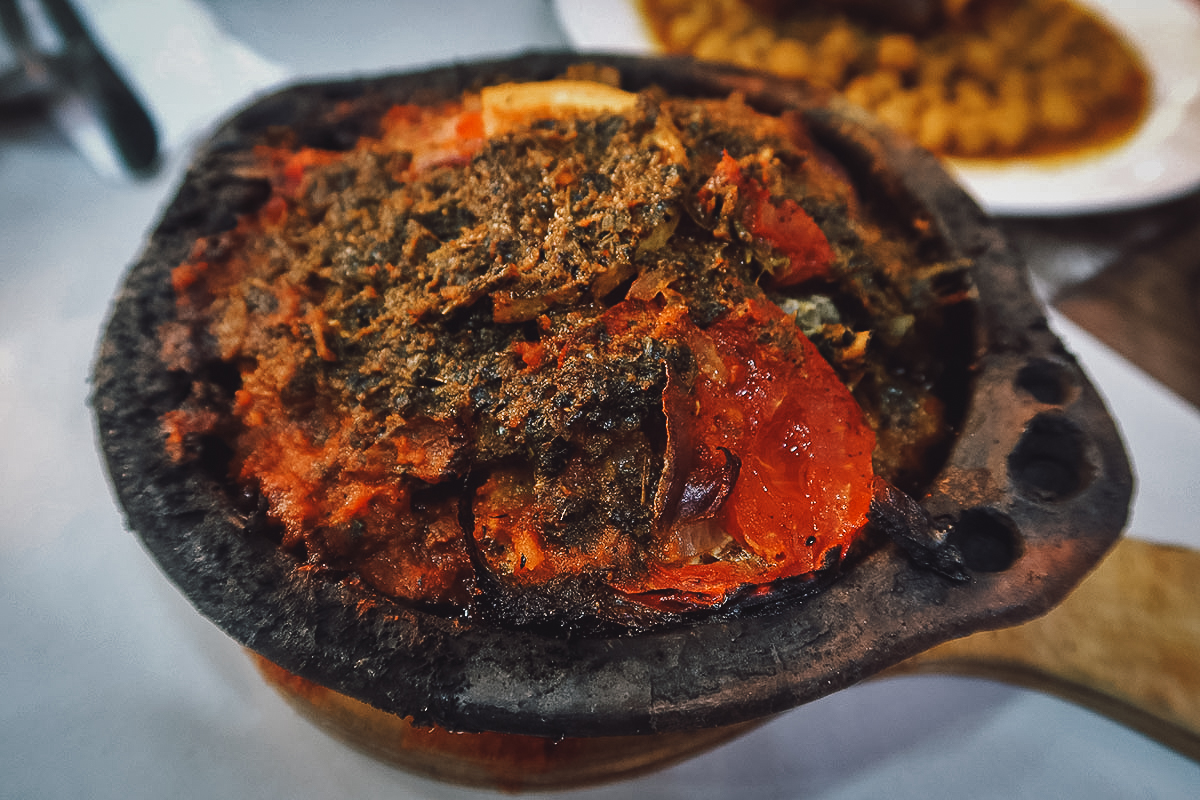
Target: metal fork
[80, 68]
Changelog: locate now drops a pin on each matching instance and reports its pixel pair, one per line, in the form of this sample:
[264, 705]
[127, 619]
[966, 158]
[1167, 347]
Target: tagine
[552, 399]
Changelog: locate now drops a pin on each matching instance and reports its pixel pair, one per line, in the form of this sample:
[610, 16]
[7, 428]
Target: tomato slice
[765, 400]
[806, 474]
[782, 223]
[790, 229]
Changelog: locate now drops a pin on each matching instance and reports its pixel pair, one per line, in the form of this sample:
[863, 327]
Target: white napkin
[184, 68]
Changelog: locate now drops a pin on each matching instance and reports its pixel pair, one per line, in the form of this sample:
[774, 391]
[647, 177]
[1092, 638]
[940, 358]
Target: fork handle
[129, 124]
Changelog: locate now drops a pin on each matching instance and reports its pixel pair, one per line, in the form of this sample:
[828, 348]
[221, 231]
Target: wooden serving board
[1125, 643]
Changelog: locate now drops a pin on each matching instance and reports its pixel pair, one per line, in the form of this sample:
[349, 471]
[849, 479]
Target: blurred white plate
[1159, 162]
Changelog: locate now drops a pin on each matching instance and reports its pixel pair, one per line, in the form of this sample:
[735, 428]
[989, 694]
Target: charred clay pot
[1033, 492]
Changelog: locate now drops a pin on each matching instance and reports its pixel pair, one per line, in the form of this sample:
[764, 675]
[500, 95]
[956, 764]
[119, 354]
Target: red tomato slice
[786, 226]
[806, 472]
[792, 232]
[803, 452]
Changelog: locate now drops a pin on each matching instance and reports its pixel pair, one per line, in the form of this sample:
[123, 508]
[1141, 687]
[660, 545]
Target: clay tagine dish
[582, 403]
